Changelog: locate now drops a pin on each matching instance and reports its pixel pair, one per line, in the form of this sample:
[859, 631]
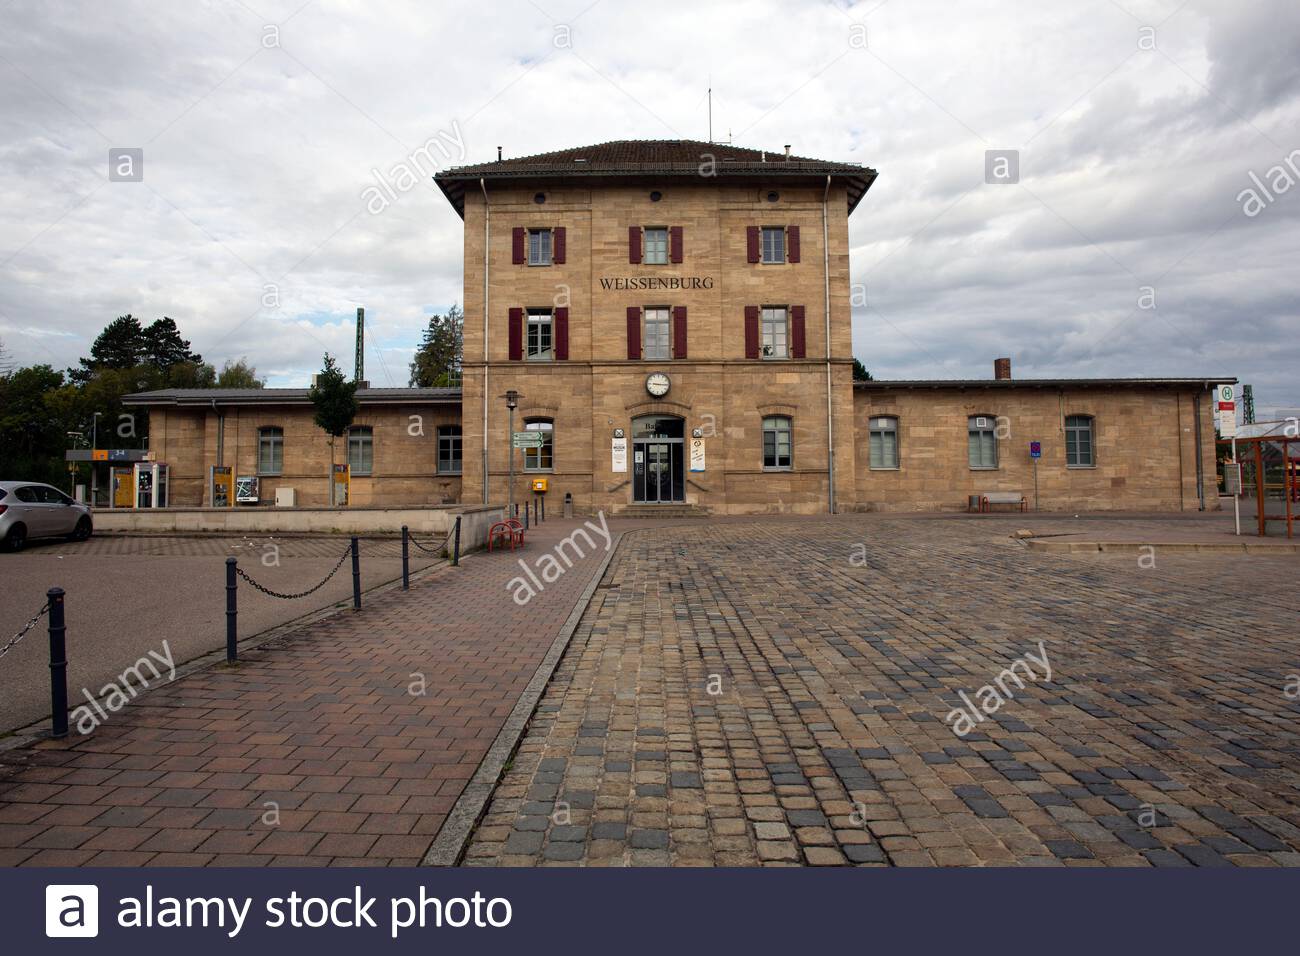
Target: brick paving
[775, 692]
[313, 750]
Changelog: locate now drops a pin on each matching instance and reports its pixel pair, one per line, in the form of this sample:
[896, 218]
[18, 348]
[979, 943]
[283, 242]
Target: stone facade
[405, 462]
[715, 388]
[1144, 446]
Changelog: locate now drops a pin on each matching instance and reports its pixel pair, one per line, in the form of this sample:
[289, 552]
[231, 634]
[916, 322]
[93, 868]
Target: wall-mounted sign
[618, 454]
[628, 283]
[246, 489]
[1035, 449]
[528, 439]
[697, 454]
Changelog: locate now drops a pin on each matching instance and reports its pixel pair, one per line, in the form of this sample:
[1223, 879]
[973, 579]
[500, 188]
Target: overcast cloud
[262, 123]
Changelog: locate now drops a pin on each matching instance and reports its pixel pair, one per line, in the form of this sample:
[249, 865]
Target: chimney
[787, 150]
[1002, 369]
[498, 154]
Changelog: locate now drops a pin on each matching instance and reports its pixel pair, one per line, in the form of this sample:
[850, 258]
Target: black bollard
[527, 512]
[356, 576]
[543, 507]
[406, 558]
[232, 612]
[455, 554]
[58, 665]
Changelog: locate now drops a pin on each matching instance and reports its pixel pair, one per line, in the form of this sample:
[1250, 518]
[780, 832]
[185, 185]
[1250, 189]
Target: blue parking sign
[1035, 449]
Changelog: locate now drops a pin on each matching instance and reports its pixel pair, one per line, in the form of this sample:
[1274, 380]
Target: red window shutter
[792, 243]
[679, 331]
[751, 331]
[752, 243]
[675, 244]
[633, 332]
[516, 334]
[562, 334]
[634, 245]
[517, 237]
[557, 245]
[798, 333]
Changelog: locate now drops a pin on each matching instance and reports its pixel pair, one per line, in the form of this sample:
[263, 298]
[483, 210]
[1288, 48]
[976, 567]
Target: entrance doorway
[658, 472]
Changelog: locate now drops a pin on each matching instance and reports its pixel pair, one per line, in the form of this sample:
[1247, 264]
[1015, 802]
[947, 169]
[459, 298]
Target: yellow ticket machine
[122, 478]
[221, 486]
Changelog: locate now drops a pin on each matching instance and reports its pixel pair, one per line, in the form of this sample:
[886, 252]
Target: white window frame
[541, 247]
[449, 436]
[774, 319]
[661, 248]
[772, 253]
[270, 438]
[543, 320]
[533, 460]
[660, 316]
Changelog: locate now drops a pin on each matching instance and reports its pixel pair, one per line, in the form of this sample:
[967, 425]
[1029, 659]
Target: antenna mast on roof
[710, 114]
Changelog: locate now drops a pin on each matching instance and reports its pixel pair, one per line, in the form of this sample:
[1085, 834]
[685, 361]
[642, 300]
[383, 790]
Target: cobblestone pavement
[778, 692]
[345, 743]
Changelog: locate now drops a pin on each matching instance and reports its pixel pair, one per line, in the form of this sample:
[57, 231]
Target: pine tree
[437, 360]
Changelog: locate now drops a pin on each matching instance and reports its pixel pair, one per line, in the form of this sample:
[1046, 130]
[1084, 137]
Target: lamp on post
[512, 402]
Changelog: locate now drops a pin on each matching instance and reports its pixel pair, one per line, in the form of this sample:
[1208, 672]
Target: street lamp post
[94, 444]
[512, 402]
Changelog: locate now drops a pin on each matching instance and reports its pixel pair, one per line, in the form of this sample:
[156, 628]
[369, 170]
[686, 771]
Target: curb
[464, 815]
[1132, 547]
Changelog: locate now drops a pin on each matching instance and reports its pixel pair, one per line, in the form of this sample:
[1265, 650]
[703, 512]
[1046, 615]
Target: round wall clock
[657, 384]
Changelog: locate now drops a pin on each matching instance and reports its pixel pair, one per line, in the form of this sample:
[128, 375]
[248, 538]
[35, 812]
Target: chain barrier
[301, 594]
[410, 535]
[26, 627]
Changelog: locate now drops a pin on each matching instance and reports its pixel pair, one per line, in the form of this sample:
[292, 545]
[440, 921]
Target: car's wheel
[82, 531]
[16, 538]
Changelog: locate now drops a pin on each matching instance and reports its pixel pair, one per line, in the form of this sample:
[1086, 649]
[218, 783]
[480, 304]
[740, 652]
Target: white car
[32, 510]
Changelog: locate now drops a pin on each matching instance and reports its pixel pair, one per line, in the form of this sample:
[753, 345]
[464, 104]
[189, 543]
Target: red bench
[502, 532]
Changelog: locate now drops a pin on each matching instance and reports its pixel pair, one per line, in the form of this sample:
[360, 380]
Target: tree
[860, 373]
[120, 345]
[239, 375]
[33, 426]
[164, 347]
[335, 399]
[437, 360]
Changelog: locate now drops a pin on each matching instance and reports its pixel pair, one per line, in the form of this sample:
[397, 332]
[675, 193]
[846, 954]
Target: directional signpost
[1035, 453]
[528, 439]
[1226, 410]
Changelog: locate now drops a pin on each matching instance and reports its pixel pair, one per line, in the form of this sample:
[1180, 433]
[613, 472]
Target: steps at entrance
[663, 511]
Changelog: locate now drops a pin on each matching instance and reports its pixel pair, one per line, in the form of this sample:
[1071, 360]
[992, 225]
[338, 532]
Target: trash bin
[568, 504]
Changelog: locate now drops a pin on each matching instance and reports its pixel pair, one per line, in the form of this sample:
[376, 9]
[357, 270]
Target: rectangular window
[657, 335]
[982, 441]
[539, 247]
[773, 244]
[1078, 442]
[270, 451]
[655, 249]
[540, 338]
[543, 458]
[884, 443]
[778, 442]
[361, 450]
[449, 444]
[775, 333]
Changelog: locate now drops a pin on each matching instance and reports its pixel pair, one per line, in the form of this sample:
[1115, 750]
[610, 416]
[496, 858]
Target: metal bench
[991, 498]
[510, 531]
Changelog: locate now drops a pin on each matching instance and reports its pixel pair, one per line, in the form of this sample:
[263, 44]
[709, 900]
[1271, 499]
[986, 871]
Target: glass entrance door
[658, 475]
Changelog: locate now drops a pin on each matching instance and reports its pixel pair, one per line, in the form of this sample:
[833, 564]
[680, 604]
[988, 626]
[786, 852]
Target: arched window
[270, 451]
[884, 442]
[1079, 441]
[361, 449]
[543, 458]
[982, 441]
[778, 442]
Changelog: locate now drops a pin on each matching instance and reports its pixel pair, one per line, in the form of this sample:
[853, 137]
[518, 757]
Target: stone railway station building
[674, 318]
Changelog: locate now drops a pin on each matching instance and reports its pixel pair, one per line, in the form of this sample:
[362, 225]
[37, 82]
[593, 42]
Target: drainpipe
[830, 421]
[483, 186]
[221, 442]
[1200, 465]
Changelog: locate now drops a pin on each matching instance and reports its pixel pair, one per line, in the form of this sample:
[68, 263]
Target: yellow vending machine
[123, 484]
[221, 486]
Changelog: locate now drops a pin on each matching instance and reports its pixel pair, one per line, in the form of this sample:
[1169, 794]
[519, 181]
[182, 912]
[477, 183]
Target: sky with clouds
[1138, 125]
